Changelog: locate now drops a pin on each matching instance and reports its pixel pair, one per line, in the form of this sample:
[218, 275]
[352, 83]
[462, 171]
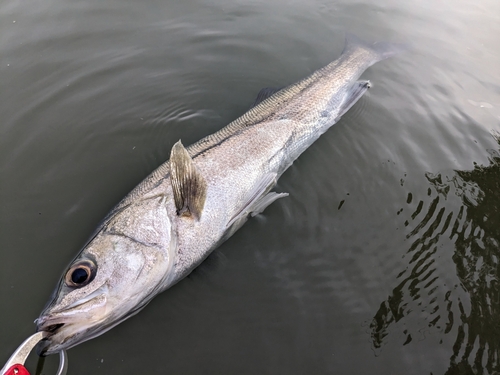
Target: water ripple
[425, 290]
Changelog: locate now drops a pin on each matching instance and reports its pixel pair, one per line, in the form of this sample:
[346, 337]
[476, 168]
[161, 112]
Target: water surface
[384, 259]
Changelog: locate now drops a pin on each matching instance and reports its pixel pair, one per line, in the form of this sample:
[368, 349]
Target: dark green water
[385, 257]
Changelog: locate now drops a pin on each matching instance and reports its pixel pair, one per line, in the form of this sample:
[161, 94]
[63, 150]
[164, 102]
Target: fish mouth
[69, 326]
[59, 335]
[51, 329]
[43, 346]
[51, 326]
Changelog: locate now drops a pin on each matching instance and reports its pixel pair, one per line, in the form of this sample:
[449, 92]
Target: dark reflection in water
[469, 309]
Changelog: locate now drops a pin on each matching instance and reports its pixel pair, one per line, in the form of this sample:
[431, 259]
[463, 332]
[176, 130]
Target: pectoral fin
[188, 185]
[257, 200]
[261, 204]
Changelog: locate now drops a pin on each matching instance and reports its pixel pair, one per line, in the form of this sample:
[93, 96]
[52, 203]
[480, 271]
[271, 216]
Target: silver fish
[190, 204]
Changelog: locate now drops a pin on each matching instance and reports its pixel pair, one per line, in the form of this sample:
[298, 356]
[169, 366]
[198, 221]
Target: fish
[169, 223]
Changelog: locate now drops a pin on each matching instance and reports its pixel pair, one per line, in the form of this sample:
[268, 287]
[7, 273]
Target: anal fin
[355, 93]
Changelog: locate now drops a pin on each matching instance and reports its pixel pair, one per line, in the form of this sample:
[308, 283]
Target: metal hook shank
[20, 355]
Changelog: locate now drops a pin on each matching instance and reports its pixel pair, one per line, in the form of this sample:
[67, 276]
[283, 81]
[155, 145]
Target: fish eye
[80, 274]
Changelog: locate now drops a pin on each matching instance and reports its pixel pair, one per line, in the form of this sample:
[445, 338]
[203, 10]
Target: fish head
[113, 278]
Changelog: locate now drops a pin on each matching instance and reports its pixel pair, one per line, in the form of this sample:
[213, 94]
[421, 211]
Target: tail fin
[378, 50]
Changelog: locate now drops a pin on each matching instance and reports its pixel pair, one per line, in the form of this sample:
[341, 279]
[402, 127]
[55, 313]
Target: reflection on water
[473, 229]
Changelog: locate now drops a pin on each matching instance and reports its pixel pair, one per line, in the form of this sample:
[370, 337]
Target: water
[383, 260]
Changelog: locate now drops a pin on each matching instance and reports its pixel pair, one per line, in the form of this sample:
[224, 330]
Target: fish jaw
[67, 327]
[71, 327]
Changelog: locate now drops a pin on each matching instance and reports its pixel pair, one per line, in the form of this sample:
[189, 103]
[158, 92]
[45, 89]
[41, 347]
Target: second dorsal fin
[188, 185]
[263, 94]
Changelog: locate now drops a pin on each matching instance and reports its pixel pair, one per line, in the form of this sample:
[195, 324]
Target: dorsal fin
[256, 114]
[188, 185]
[263, 94]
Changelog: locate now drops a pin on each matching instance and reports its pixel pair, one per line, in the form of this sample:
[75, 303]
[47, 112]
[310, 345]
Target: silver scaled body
[146, 244]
